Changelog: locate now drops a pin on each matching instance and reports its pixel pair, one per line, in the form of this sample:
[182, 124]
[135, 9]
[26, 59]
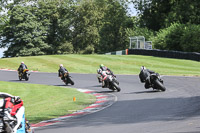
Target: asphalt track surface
[137, 110]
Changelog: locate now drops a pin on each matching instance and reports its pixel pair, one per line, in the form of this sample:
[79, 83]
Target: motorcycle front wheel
[116, 87]
[20, 78]
[69, 81]
[159, 85]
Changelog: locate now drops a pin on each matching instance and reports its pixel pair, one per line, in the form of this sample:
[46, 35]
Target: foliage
[88, 50]
[184, 12]
[112, 34]
[180, 37]
[138, 31]
[50, 27]
[24, 35]
[86, 23]
[35, 29]
[158, 14]
[152, 13]
[65, 48]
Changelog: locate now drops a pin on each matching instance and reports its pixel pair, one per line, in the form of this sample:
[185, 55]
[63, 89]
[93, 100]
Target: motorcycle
[24, 75]
[67, 79]
[156, 82]
[111, 82]
[8, 125]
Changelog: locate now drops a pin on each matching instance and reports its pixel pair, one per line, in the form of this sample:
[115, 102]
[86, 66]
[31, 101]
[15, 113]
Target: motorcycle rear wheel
[26, 77]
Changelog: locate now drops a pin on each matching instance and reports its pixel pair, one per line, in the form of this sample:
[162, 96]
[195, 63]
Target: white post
[130, 42]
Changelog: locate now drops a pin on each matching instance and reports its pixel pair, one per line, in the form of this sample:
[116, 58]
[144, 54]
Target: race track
[136, 110]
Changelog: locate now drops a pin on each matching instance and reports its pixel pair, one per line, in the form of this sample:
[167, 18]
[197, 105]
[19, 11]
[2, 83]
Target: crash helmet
[143, 68]
[101, 65]
[61, 65]
[17, 99]
[99, 71]
[22, 62]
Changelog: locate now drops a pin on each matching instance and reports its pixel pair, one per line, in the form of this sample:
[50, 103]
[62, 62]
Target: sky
[1, 52]
[132, 11]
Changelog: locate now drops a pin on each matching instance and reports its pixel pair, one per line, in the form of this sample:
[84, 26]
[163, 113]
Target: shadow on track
[15, 80]
[109, 91]
[64, 85]
[141, 92]
[96, 86]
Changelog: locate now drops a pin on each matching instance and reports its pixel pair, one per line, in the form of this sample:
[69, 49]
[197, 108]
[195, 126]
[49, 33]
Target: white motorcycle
[109, 81]
[10, 124]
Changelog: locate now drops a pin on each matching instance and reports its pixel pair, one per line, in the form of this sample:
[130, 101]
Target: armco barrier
[168, 54]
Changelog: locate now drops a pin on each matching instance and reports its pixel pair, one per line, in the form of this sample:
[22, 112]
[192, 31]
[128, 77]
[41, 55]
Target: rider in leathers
[104, 75]
[145, 76]
[22, 67]
[12, 107]
[104, 68]
[103, 71]
[62, 71]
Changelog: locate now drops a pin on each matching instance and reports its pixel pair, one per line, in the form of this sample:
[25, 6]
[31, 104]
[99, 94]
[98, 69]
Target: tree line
[174, 23]
[40, 27]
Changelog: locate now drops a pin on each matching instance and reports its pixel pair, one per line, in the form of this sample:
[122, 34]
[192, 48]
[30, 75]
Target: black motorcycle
[67, 79]
[156, 82]
[112, 83]
[24, 75]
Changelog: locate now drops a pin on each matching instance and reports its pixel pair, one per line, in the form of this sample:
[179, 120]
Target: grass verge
[44, 102]
[120, 64]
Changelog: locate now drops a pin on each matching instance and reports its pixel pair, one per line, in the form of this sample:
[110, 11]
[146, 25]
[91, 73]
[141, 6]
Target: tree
[113, 34]
[57, 27]
[184, 12]
[24, 35]
[159, 14]
[152, 13]
[37, 28]
[86, 24]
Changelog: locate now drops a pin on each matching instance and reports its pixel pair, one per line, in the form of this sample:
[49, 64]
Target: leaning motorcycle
[24, 75]
[111, 82]
[67, 79]
[157, 82]
[8, 125]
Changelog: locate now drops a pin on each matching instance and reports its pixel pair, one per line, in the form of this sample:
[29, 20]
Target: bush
[88, 50]
[178, 37]
[65, 48]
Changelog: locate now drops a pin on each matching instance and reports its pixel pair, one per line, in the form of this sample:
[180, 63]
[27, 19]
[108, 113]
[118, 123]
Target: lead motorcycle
[110, 81]
[24, 75]
[157, 82]
[8, 125]
[67, 79]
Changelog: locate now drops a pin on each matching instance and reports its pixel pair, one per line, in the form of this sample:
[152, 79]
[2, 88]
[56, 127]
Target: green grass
[44, 102]
[120, 64]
